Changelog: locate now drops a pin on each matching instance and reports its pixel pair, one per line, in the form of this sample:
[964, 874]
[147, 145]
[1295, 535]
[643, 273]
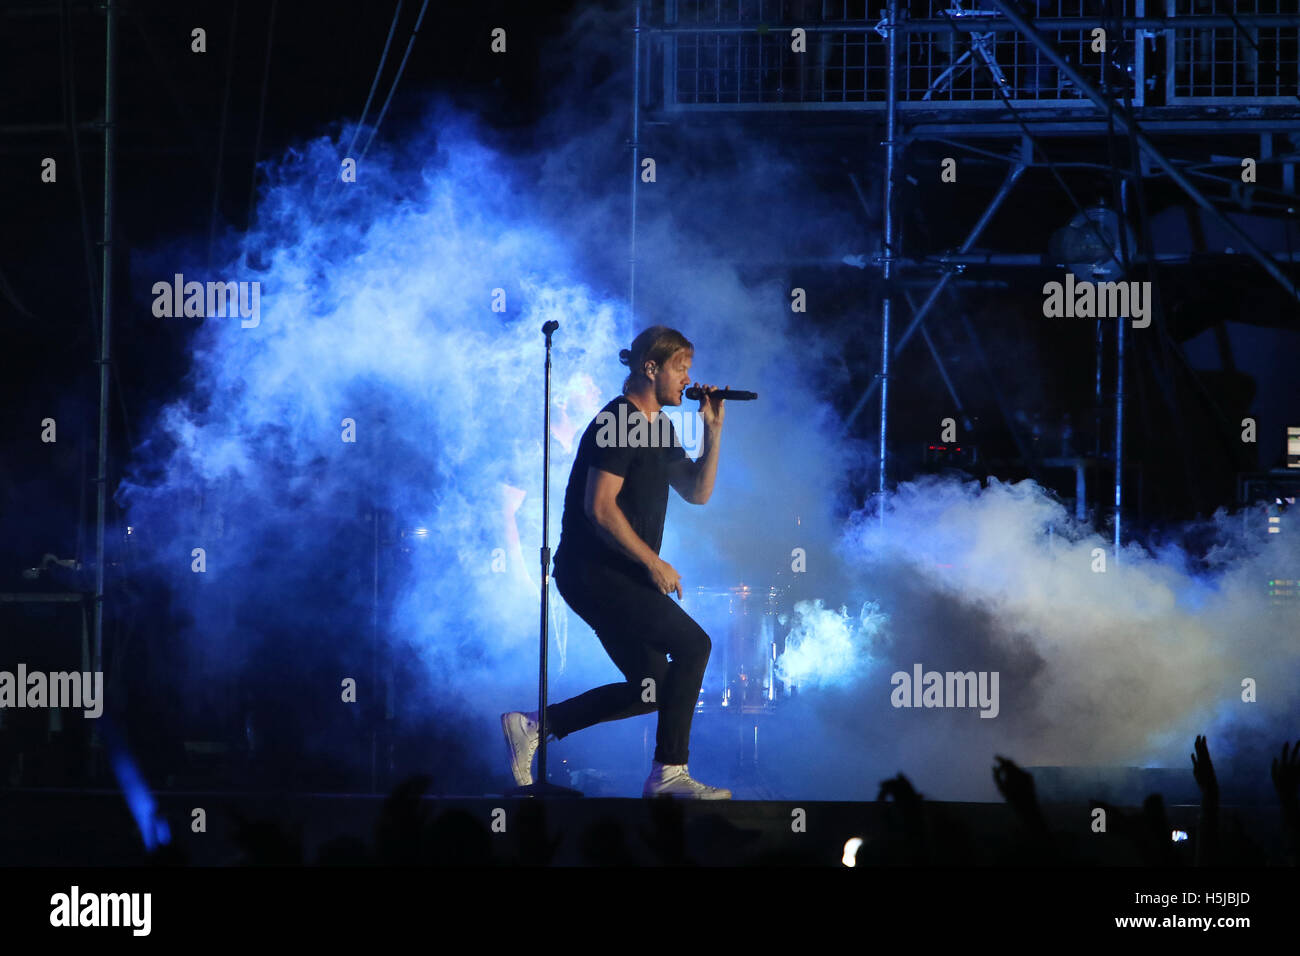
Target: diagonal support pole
[1026, 26]
[966, 422]
[1013, 174]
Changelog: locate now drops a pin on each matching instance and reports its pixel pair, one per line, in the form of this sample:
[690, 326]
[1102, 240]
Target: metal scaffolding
[953, 71]
[106, 320]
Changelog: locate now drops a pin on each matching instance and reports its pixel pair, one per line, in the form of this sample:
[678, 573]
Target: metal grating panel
[1234, 63]
[746, 57]
[736, 53]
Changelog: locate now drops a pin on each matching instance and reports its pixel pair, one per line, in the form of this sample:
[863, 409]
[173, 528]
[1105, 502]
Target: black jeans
[640, 629]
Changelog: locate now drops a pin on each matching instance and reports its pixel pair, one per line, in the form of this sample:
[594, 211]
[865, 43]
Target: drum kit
[741, 688]
[743, 623]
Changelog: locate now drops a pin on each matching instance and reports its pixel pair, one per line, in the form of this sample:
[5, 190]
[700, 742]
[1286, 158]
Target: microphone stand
[540, 787]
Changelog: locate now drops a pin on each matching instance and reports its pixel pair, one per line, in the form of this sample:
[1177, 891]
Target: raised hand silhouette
[1015, 785]
[1207, 842]
[1203, 771]
[1017, 788]
[900, 790]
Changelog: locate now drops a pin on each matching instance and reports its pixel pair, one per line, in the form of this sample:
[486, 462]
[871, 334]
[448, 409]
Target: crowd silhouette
[907, 831]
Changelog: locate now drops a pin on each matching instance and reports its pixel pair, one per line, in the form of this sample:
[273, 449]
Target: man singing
[608, 569]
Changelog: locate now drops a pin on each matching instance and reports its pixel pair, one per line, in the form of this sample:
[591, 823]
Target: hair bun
[625, 356]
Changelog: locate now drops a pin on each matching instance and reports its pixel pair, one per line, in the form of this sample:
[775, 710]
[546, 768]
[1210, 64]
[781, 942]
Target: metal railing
[739, 54]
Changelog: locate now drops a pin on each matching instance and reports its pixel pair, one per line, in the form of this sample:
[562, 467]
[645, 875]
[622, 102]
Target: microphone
[694, 394]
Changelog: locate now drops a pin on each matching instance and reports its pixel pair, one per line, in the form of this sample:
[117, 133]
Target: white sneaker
[521, 744]
[673, 780]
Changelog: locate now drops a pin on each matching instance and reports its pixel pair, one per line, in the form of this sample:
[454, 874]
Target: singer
[608, 569]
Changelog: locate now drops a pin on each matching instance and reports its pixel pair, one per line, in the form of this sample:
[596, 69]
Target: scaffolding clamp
[884, 26]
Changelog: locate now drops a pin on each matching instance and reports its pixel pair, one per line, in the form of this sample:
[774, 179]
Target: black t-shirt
[621, 441]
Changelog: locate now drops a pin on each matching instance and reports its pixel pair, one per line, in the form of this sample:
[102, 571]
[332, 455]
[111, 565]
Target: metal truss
[961, 70]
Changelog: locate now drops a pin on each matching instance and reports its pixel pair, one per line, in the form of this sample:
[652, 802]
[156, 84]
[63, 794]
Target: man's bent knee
[695, 648]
